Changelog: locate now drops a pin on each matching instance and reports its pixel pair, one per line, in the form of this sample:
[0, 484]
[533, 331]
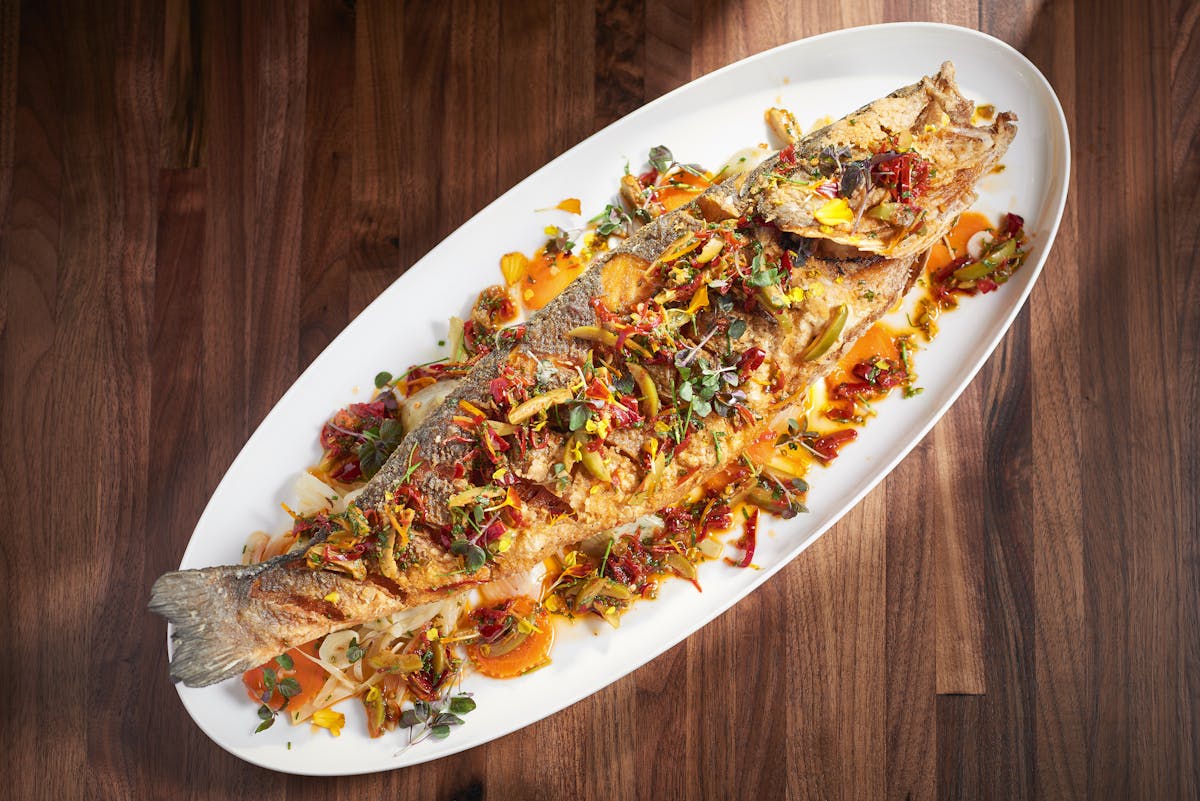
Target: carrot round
[504, 660]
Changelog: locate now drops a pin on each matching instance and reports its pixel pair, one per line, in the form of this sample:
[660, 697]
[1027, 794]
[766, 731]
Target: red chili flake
[788, 154]
[494, 531]
[719, 518]
[749, 541]
[905, 174]
[1012, 224]
[676, 520]
[648, 178]
[829, 445]
[749, 361]
[986, 285]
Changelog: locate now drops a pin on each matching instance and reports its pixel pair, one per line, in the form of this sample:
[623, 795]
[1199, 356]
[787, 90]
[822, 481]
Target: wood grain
[196, 196]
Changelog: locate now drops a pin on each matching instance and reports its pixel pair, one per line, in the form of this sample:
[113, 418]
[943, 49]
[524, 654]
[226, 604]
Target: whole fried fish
[604, 407]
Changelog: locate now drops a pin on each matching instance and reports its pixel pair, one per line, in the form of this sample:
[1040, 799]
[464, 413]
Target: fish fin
[209, 643]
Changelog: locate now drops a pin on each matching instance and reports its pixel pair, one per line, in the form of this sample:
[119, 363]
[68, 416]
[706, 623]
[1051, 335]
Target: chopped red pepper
[749, 541]
[827, 447]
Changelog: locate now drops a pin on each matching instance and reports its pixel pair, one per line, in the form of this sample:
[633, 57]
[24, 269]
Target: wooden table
[195, 198]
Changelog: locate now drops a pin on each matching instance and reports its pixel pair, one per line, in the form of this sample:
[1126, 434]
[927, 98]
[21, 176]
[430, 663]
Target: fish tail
[209, 643]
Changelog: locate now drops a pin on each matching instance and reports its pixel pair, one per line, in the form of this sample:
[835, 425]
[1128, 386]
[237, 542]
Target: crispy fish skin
[936, 118]
[230, 619]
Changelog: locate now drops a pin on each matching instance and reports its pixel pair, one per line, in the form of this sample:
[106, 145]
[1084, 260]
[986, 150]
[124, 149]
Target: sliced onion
[977, 243]
[414, 410]
[312, 495]
[335, 646]
[256, 546]
[742, 162]
[341, 503]
[528, 584]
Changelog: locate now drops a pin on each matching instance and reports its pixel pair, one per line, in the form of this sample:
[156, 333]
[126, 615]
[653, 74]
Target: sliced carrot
[532, 652]
[545, 277]
[684, 188]
[308, 674]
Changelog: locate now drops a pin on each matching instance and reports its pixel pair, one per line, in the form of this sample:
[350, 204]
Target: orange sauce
[673, 196]
[969, 223]
[547, 275]
[878, 342]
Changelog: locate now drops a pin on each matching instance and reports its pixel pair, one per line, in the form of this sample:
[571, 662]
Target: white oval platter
[704, 122]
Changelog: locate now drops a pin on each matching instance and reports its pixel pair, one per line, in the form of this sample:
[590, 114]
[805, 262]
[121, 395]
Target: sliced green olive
[884, 211]
[507, 643]
[1002, 253]
[711, 248]
[764, 499]
[501, 428]
[439, 658]
[773, 297]
[600, 586]
[375, 711]
[650, 402]
[974, 271]
[658, 464]
[574, 444]
[395, 663]
[988, 264]
[681, 565]
[593, 462]
[588, 593]
[539, 403]
[680, 247]
[829, 337]
[594, 333]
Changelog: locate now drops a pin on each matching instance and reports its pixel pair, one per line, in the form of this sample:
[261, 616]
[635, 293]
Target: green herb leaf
[473, 556]
[462, 704]
[266, 724]
[289, 688]
[661, 158]
[285, 661]
[266, 713]
[382, 379]
[440, 732]
[579, 416]
[269, 678]
[354, 652]
[737, 328]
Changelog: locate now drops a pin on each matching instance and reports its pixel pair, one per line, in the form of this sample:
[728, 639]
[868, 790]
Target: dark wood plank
[1184, 128]
[912, 729]
[185, 77]
[10, 47]
[30, 245]
[126, 92]
[328, 161]
[620, 59]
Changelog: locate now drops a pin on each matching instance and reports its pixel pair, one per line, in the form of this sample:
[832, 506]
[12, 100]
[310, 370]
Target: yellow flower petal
[835, 212]
[328, 719]
[699, 300]
[571, 205]
[513, 266]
